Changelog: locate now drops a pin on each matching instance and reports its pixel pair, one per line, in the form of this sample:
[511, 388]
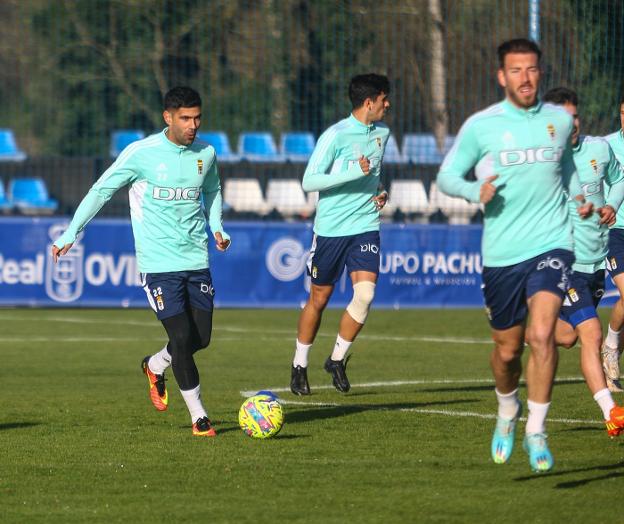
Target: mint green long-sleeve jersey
[166, 183]
[530, 151]
[599, 173]
[616, 141]
[345, 206]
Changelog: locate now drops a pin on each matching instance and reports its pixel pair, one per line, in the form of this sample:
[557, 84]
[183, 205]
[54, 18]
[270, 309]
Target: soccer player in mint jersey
[345, 169]
[173, 183]
[525, 162]
[602, 180]
[611, 349]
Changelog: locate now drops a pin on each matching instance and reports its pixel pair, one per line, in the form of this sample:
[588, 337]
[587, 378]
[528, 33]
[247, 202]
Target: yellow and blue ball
[261, 416]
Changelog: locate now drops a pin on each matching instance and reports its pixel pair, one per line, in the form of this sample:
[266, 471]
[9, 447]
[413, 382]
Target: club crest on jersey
[378, 142]
[573, 295]
[551, 130]
[200, 167]
[314, 271]
[594, 165]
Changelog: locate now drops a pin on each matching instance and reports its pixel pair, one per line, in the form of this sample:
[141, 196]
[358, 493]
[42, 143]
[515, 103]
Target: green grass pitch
[80, 441]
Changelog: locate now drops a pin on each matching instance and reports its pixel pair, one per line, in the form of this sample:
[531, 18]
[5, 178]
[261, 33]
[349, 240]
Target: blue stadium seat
[219, 140]
[297, 146]
[5, 204]
[392, 155]
[30, 196]
[122, 138]
[258, 147]
[8, 147]
[421, 148]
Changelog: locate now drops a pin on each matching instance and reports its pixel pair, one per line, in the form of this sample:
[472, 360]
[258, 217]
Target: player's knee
[363, 294]
[567, 341]
[540, 338]
[318, 301]
[179, 342]
[203, 340]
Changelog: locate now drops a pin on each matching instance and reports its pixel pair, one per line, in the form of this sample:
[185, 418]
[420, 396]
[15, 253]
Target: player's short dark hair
[181, 96]
[560, 96]
[366, 86]
[621, 100]
[517, 45]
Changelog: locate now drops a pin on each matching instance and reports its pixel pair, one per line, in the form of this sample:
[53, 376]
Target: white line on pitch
[287, 333]
[96, 338]
[492, 416]
[445, 412]
[395, 383]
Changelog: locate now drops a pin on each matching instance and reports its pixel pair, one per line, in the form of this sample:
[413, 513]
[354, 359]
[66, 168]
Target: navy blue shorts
[615, 257]
[170, 294]
[330, 255]
[507, 289]
[581, 301]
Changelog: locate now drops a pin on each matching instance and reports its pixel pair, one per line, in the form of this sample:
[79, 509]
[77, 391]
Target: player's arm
[614, 178]
[572, 184]
[317, 176]
[119, 174]
[461, 158]
[381, 198]
[213, 205]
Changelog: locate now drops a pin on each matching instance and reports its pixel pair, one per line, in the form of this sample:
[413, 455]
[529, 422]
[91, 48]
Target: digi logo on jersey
[530, 156]
[176, 193]
[593, 188]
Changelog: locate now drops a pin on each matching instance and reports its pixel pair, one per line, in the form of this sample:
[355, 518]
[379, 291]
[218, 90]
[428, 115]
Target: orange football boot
[157, 388]
[615, 424]
[203, 428]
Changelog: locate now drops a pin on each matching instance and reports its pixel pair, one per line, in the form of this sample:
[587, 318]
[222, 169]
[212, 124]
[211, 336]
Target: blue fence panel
[421, 266]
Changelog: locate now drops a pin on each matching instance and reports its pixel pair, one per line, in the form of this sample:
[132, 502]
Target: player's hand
[58, 252]
[585, 209]
[488, 190]
[380, 200]
[607, 215]
[364, 164]
[221, 244]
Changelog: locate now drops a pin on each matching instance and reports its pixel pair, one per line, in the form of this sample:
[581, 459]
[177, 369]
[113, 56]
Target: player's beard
[523, 101]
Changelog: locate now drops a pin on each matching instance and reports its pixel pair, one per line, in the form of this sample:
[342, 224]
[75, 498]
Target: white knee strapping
[363, 293]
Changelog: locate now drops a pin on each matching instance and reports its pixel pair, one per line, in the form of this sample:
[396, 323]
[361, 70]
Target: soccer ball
[261, 415]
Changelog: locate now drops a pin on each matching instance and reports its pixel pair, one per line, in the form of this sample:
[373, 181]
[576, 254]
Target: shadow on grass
[18, 425]
[570, 484]
[317, 413]
[578, 429]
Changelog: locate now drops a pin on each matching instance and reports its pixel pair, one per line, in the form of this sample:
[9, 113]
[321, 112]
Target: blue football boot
[503, 438]
[540, 457]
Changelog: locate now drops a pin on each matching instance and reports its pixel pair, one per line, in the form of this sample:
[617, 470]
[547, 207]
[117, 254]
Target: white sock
[508, 404]
[194, 404]
[160, 361]
[613, 338]
[605, 401]
[340, 348]
[301, 354]
[537, 417]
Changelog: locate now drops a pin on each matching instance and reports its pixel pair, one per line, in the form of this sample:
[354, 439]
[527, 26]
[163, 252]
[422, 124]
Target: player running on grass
[169, 176]
[611, 351]
[524, 147]
[600, 174]
[345, 168]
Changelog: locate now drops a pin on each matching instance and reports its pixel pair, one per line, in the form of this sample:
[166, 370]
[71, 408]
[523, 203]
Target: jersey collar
[512, 108]
[354, 121]
[579, 144]
[170, 145]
